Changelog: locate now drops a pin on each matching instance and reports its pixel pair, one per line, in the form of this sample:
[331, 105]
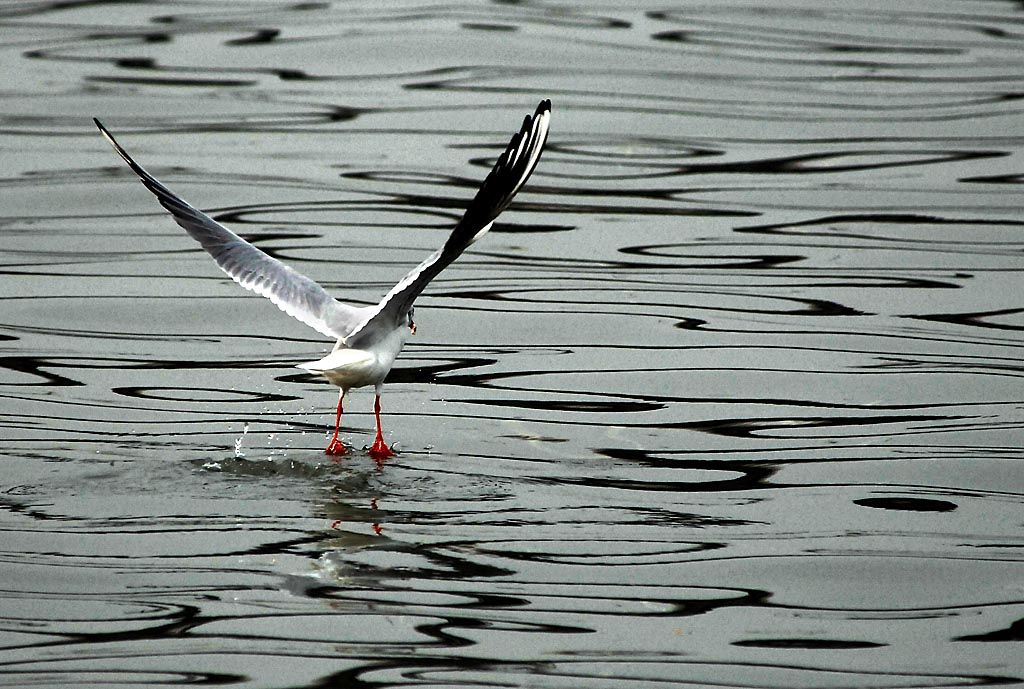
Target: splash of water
[238, 441]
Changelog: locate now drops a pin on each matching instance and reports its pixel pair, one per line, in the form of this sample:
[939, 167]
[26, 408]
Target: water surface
[731, 396]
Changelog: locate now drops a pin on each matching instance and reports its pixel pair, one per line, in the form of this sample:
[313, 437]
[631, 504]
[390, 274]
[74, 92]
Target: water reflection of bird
[370, 337]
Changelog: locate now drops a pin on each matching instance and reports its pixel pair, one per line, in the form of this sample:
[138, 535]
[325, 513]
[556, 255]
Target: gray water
[730, 397]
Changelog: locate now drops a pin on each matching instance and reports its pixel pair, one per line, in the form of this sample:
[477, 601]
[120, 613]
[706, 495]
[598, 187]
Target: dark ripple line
[213, 338]
[1015, 632]
[179, 82]
[281, 546]
[154, 392]
[129, 673]
[654, 401]
[976, 319]
[438, 671]
[812, 306]
[902, 337]
[911, 219]
[985, 25]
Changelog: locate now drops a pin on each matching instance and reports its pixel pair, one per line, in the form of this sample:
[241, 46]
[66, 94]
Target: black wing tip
[529, 132]
[162, 193]
[120, 151]
[543, 111]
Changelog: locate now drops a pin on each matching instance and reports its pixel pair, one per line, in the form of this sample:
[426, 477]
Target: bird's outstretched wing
[504, 181]
[292, 292]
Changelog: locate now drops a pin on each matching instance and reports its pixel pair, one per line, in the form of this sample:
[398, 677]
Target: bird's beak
[412, 328]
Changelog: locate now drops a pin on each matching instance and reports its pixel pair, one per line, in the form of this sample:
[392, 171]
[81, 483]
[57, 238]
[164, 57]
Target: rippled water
[730, 397]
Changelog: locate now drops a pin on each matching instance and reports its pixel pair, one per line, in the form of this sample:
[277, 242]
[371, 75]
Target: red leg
[335, 447]
[379, 450]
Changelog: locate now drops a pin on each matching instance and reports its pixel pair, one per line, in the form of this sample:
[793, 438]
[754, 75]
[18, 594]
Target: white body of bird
[349, 367]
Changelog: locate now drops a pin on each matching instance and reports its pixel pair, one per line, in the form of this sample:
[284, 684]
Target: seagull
[369, 338]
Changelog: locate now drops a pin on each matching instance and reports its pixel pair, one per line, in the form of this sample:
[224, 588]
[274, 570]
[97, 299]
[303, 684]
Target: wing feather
[506, 178]
[292, 292]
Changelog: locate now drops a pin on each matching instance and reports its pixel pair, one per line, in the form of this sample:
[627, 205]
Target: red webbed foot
[380, 450]
[335, 449]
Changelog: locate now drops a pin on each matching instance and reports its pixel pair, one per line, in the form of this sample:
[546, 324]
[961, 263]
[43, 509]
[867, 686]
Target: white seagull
[368, 337]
